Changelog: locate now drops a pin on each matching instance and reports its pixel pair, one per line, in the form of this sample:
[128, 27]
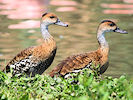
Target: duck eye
[52, 17]
[111, 24]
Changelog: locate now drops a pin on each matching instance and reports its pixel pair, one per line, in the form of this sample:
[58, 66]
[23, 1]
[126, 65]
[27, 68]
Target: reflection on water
[116, 6]
[64, 9]
[63, 3]
[128, 1]
[19, 29]
[22, 9]
[25, 25]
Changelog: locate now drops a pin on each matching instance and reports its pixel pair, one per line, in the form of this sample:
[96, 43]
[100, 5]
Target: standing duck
[36, 59]
[76, 63]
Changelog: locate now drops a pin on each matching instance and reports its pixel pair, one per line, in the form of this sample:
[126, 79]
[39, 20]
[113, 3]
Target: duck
[99, 57]
[36, 59]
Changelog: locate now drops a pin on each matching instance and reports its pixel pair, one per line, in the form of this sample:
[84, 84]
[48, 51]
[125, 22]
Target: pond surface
[19, 29]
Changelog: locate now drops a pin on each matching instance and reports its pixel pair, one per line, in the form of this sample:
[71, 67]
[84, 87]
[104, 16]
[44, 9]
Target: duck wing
[75, 63]
[19, 59]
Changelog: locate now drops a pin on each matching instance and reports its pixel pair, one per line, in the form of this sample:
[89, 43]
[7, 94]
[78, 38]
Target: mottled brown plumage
[20, 56]
[76, 63]
[35, 60]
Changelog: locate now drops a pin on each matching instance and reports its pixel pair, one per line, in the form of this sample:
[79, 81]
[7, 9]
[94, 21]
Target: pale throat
[44, 31]
[101, 39]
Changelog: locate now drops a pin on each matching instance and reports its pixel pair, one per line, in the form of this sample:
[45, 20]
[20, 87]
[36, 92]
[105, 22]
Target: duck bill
[120, 31]
[61, 23]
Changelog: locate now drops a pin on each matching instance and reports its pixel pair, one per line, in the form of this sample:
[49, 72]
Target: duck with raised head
[76, 63]
[36, 59]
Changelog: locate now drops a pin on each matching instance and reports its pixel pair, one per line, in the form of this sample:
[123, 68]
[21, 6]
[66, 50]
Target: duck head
[50, 18]
[110, 26]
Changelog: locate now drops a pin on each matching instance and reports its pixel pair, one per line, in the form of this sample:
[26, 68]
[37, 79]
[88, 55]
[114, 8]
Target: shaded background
[20, 22]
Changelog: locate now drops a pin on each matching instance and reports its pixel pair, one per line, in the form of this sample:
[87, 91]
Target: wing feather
[74, 62]
[19, 57]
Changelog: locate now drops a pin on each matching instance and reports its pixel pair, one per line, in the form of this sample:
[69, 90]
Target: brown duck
[36, 59]
[76, 63]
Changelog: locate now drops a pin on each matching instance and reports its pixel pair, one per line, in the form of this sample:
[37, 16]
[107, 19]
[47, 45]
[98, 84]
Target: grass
[90, 86]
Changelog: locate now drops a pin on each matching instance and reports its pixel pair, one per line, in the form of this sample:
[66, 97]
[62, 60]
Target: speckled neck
[101, 39]
[45, 32]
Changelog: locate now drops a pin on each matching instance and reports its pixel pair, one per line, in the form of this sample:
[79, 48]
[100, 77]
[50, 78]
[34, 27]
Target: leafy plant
[87, 85]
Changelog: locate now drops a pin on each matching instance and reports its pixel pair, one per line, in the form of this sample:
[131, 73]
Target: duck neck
[101, 39]
[45, 32]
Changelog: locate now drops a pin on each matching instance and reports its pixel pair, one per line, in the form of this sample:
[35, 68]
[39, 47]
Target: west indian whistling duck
[76, 63]
[36, 59]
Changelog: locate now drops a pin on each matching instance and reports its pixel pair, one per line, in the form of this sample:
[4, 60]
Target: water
[83, 17]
